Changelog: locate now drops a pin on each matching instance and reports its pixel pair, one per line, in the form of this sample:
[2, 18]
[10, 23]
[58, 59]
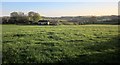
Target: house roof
[43, 21]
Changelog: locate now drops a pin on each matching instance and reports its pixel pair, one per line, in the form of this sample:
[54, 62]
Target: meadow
[60, 44]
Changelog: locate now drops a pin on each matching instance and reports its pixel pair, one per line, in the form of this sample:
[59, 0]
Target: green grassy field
[60, 44]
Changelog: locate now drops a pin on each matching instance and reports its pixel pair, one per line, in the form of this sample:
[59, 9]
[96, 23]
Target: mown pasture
[60, 44]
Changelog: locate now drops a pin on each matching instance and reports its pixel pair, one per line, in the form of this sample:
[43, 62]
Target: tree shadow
[102, 53]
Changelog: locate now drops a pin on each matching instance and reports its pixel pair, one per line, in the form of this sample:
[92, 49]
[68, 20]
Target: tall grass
[60, 44]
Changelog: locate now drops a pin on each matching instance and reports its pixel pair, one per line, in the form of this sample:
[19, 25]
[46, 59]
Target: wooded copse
[33, 18]
[21, 18]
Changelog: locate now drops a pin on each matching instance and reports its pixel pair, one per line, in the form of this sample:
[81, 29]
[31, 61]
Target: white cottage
[43, 22]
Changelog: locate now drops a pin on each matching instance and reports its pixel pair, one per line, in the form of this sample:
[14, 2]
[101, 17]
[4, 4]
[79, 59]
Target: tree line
[21, 18]
[33, 18]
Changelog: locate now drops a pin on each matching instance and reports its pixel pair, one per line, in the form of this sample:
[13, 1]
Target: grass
[60, 44]
[0, 44]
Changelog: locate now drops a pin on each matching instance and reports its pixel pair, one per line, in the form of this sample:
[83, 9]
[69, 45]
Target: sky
[67, 8]
[59, 0]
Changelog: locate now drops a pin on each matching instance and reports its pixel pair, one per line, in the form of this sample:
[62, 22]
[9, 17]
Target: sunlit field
[60, 44]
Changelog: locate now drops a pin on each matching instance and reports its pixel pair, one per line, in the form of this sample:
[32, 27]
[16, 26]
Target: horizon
[69, 16]
[58, 9]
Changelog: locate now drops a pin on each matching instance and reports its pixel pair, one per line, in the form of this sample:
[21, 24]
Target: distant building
[43, 22]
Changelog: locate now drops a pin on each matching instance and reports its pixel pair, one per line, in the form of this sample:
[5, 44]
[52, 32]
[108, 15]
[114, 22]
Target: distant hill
[69, 20]
[113, 19]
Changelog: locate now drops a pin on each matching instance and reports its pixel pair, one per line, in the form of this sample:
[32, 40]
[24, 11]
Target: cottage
[43, 22]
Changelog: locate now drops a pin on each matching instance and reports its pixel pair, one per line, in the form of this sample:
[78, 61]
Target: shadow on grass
[101, 53]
